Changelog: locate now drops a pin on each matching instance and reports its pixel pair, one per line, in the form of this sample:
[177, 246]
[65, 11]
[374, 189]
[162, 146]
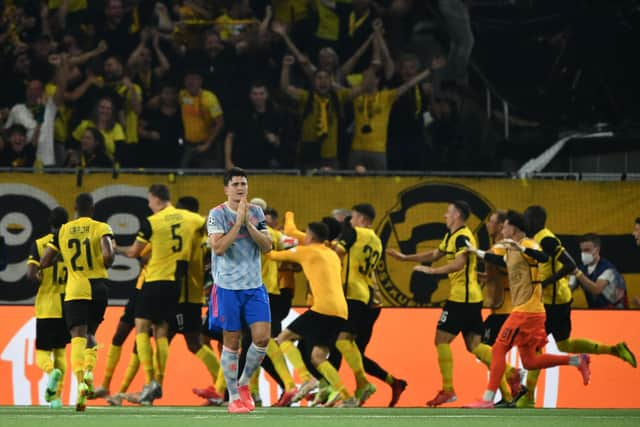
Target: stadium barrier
[402, 343]
[409, 216]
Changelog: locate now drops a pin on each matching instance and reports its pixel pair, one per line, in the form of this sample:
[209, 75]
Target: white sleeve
[44, 150]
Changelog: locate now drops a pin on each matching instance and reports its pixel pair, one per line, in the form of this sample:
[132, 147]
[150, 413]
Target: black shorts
[317, 329]
[51, 333]
[366, 327]
[357, 317]
[492, 326]
[462, 317]
[88, 312]
[280, 306]
[188, 318]
[129, 315]
[558, 321]
[157, 301]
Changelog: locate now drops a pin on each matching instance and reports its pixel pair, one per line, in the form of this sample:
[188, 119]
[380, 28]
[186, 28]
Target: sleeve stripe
[52, 246]
[141, 239]
[34, 262]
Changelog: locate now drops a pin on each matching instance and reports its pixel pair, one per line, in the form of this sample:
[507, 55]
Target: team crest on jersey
[415, 224]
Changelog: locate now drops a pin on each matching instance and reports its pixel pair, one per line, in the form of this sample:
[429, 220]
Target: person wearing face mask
[602, 283]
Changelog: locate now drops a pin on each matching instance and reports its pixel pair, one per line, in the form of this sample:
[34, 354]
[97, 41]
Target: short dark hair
[230, 173]
[259, 83]
[160, 191]
[501, 215]
[536, 218]
[271, 212]
[638, 220]
[517, 220]
[591, 237]
[365, 209]
[16, 128]
[462, 207]
[189, 203]
[84, 203]
[57, 217]
[333, 225]
[319, 230]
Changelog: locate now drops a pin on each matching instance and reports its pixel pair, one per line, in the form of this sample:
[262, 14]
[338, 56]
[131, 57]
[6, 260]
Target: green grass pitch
[27, 416]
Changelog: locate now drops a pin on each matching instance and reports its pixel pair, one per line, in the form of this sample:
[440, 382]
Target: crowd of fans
[306, 84]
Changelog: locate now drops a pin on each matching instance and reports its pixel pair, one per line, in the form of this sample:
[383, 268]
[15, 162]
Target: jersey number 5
[175, 236]
[77, 246]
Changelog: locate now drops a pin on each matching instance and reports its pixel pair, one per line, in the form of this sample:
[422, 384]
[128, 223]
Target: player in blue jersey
[238, 234]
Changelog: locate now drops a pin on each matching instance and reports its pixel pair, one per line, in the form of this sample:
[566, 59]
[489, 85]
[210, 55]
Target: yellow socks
[532, 382]
[210, 360]
[78, 345]
[113, 356]
[60, 362]
[90, 358]
[581, 345]
[145, 354]
[483, 353]
[330, 374]
[162, 347]
[294, 356]
[130, 373]
[352, 355]
[445, 361]
[43, 360]
[389, 379]
[280, 365]
[254, 383]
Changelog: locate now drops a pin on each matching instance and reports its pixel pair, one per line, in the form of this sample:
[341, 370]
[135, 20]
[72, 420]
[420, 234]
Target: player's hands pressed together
[243, 211]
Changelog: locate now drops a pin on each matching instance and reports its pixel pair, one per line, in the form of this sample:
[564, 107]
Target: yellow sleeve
[293, 254]
[390, 95]
[211, 104]
[290, 228]
[303, 98]
[145, 251]
[276, 238]
[79, 130]
[118, 133]
[343, 95]
[443, 245]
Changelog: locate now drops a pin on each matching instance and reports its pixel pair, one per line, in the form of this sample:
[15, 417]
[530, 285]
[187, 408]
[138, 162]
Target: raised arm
[228, 149]
[308, 67]
[348, 66]
[87, 56]
[290, 228]
[163, 63]
[285, 85]
[403, 88]
[385, 55]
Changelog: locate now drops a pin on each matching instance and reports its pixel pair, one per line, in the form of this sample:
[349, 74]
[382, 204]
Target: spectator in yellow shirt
[203, 120]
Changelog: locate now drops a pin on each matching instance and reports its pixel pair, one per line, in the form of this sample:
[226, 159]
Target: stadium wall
[402, 343]
[410, 217]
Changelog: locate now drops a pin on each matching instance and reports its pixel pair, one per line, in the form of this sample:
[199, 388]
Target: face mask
[587, 258]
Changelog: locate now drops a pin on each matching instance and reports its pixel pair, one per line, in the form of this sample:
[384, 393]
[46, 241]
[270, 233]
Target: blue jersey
[239, 268]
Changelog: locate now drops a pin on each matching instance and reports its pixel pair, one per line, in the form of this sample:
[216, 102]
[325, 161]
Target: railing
[176, 173]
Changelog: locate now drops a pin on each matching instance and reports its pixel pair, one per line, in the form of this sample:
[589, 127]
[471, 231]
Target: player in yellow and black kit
[86, 246]
[557, 300]
[52, 335]
[188, 317]
[462, 311]
[362, 251]
[171, 233]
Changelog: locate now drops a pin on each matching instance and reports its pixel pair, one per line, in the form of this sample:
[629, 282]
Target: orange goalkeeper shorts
[523, 329]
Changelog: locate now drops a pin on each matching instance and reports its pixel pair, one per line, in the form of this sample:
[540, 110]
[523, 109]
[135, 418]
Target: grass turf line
[165, 416]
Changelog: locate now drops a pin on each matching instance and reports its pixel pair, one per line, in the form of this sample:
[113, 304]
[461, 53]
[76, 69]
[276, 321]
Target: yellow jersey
[193, 293]
[48, 304]
[78, 242]
[270, 267]
[500, 277]
[559, 291]
[198, 113]
[171, 233]
[526, 291]
[371, 114]
[363, 249]
[321, 265]
[464, 283]
[143, 271]
[320, 121]
[130, 116]
[111, 136]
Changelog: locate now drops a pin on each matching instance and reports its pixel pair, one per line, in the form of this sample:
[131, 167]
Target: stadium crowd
[305, 84]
